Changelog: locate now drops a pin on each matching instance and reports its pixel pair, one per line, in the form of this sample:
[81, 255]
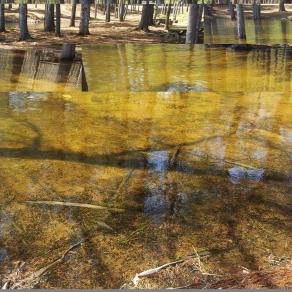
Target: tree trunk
[84, 17]
[231, 10]
[68, 52]
[2, 18]
[49, 17]
[108, 11]
[240, 21]
[194, 21]
[282, 6]
[58, 20]
[256, 8]
[151, 14]
[145, 17]
[24, 34]
[121, 10]
[73, 13]
[167, 16]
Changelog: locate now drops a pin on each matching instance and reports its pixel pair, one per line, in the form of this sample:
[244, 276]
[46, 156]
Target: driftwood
[152, 271]
[70, 204]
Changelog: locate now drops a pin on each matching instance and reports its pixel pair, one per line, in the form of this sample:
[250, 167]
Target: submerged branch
[70, 204]
[152, 271]
[30, 280]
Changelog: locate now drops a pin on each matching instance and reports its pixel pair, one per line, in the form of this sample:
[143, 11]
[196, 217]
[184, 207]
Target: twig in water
[149, 272]
[6, 285]
[70, 204]
[124, 181]
[35, 276]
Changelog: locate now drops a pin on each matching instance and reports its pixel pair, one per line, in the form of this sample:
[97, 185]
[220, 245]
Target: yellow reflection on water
[181, 68]
[210, 170]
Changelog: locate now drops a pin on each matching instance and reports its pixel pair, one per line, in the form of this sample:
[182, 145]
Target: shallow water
[181, 68]
[200, 169]
[264, 32]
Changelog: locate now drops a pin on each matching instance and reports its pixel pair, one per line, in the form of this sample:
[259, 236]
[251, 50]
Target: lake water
[205, 170]
[194, 144]
[183, 68]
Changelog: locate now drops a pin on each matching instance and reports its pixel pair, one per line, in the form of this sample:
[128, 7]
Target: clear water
[210, 170]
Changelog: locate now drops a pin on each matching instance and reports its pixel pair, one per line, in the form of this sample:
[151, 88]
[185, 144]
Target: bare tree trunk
[49, 17]
[2, 18]
[73, 13]
[58, 20]
[24, 34]
[256, 7]
[194, 21]
[145, 17]
[151, 14]
[84, 17]
[231, 10]
[240, 21]
[282, 6]
[167, 16]
[108, 11]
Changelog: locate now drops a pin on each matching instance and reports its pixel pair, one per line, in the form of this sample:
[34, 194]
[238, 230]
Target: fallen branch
[70, 204]
[35, 276]
[152, 271]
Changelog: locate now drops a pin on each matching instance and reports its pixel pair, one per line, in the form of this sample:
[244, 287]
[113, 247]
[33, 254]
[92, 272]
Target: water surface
[200, 169]
[182, 68]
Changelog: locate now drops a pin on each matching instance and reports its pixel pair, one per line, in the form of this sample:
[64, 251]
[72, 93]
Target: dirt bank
[100, 31]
